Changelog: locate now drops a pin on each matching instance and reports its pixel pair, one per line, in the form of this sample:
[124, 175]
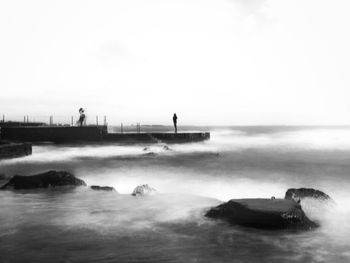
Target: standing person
[175, 122]
[82, 117]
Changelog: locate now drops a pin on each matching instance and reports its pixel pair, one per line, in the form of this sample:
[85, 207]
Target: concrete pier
[67, 134]
[157, 137]
[60, 134]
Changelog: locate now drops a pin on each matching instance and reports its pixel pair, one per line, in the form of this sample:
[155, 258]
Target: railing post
[72, 120]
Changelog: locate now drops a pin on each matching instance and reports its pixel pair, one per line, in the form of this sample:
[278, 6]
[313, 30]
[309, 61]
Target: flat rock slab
[263, 213]
[102, 188]
[43, 180]
[300, 193]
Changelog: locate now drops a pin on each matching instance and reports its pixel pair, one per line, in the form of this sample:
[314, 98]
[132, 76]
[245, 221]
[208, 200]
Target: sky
[213, 62]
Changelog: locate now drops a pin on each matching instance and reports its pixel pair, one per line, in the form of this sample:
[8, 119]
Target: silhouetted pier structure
[70, 134]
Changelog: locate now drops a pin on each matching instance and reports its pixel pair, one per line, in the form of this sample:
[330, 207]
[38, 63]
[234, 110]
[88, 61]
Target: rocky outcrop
[13, 150]
[142, 190]
[43, 180]
[300, 193]
[102, 188]
[262, 213]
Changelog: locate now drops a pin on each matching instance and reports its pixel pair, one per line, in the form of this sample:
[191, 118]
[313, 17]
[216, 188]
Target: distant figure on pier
[82, 117]
[175, 122]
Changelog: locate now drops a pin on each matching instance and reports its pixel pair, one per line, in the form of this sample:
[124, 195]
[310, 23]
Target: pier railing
[55, 119]
[69, 121]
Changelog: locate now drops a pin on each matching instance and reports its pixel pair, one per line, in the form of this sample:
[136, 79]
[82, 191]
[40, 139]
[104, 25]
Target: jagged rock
[102, 188]
[300, 193]
[146, 149]
[43, 180]
[263, 213]
[142, 190]
[166, 148]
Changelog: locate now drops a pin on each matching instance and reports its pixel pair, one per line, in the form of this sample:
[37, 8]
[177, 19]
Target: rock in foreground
[13, 150]
[142, 190]
[262, 213]
[300, 193]
[43, 180]
[102, 188]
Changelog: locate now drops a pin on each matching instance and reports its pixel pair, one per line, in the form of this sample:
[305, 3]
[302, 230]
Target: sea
[82, 225]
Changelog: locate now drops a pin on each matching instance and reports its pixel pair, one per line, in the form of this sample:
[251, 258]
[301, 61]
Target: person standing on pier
[82, 117]
[175, 122]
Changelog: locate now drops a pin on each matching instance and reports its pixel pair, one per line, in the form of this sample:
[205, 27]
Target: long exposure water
[82, 225]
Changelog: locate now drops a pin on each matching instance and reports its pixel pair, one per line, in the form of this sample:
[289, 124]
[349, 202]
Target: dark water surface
[81, 225]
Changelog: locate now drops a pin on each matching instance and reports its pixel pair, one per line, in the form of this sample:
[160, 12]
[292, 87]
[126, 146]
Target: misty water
[82, 225]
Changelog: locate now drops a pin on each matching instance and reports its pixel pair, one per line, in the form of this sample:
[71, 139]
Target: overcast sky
[228, 62]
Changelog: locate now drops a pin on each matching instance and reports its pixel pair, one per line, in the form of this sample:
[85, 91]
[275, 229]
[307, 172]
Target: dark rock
[300, 193]
[102, 188]
[150, 154]
[43, 180]
[142, 190]
[13, 150]
[262, 213]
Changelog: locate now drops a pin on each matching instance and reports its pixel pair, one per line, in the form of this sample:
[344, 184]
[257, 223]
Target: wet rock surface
[143, 190]
[43, 180]
[102, 188]
[263, 213]
[300, 193]
[13, 150]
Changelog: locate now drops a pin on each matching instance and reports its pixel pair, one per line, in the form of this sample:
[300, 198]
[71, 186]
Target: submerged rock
[300, 193]
[102, 188]
[3, 177]
[43, 180]
[150, 154]
[166, 148]
[142, 190]
[263, 213]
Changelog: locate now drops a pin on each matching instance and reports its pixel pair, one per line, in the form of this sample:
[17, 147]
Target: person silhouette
[175, 122]
[82, 117]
